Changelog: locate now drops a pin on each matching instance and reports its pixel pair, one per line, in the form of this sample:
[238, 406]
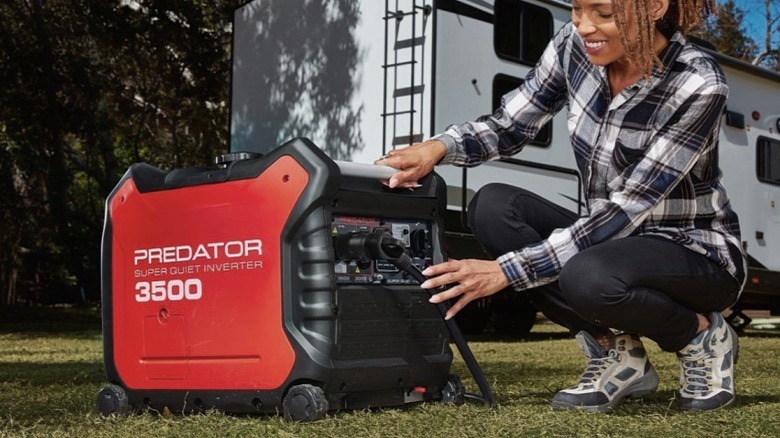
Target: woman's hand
[472, 279]
[413, 162]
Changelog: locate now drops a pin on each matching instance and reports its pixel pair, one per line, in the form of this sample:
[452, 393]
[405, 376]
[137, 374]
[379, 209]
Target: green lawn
[51, 369]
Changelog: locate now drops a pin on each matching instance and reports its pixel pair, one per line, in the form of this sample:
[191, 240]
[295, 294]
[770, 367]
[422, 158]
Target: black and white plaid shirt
[648, 156]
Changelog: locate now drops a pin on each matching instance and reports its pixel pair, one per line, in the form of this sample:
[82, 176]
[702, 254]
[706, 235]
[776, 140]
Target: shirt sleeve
[521, 115]
[670, 154]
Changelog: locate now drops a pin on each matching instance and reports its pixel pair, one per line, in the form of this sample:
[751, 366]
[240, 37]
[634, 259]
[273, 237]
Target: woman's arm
[670, 155]
[522, 114]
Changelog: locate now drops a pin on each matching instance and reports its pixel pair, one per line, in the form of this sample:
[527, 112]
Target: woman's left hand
[471, 278]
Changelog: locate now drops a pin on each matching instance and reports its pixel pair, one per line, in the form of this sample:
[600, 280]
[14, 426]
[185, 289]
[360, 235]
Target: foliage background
[88, 88]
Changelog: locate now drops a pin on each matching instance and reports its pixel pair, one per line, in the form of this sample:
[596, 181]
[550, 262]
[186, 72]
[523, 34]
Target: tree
[768, 58]
[88, 88]
[726, 32]
[10, 237]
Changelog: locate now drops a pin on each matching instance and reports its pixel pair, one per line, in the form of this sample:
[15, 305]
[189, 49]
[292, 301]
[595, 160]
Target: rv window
[768, 160]
[521, 31]
[503, 84]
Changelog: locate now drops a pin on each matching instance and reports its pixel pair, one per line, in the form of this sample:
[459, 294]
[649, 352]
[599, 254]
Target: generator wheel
[453, 392]
[112, 400]
[305, 403]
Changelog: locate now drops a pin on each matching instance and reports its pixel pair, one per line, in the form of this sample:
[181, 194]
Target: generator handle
[371, 171]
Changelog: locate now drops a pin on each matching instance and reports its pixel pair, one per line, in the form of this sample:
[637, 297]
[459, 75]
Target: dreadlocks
[640, 50]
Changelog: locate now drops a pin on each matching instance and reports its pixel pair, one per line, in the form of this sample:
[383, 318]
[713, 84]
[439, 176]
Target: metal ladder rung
[398, 113]
[407, 139]
[398, 64]
[390, 15]
[412, 42]
[408, 91]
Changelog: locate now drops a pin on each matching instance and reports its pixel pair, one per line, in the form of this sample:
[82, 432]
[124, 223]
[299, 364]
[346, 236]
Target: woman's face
[595, 22]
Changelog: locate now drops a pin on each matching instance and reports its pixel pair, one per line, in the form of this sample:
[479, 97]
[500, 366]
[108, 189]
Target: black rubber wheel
[453, 392]
[112, 400]
[305, 403]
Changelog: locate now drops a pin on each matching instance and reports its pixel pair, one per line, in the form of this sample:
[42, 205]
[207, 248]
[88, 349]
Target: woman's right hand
[413, 162]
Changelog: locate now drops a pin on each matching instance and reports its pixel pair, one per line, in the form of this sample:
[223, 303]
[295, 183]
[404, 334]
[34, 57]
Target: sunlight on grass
[49, 379]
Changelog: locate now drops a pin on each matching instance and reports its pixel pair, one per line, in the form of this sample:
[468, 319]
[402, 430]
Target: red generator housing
[221, 289]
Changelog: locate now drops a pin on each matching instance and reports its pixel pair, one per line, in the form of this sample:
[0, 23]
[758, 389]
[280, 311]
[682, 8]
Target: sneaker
[707, 367]
[609, 377]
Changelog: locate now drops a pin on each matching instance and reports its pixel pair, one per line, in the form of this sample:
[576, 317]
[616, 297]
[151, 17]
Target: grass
[51, 369]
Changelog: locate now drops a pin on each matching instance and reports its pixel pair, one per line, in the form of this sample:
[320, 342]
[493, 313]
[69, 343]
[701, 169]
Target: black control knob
[417, 241]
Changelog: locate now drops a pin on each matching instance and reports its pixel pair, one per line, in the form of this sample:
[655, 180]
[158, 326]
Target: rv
[361, 77]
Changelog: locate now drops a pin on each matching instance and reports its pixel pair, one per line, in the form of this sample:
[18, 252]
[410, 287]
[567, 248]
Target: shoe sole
[648, 383]
[699, 408]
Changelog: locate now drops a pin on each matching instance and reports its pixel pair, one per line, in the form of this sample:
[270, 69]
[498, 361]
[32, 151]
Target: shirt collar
[668, 55]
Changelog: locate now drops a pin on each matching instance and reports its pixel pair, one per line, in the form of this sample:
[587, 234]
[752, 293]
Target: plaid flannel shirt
[648, 156]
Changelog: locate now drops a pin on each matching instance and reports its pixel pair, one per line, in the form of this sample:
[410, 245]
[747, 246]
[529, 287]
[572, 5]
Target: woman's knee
[487, 206]
[588, 286]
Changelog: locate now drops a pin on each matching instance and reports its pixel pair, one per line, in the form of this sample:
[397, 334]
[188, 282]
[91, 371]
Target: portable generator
[222, 289]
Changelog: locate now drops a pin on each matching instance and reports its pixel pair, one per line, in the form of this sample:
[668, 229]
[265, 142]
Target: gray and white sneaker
[707, 367]
[609, 377]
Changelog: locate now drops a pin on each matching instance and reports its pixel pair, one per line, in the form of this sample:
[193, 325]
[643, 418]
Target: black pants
[645, 285]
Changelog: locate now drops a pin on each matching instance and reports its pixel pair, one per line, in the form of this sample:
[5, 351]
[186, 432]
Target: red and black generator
[222, 290]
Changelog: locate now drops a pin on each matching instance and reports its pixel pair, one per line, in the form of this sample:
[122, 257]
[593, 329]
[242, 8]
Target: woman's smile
[594, 47]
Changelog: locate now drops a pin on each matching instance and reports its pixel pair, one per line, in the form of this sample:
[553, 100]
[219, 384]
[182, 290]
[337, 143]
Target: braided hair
[683, 15]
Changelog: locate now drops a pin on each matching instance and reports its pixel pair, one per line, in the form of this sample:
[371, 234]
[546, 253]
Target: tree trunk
[11, 273]
[768, 40]
[10, 297]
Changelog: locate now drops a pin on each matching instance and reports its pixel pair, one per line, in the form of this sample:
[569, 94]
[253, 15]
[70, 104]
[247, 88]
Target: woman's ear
[659, 8]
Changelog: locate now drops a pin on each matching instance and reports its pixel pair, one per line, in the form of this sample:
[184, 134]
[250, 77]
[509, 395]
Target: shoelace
[695, 373]
[596, 366]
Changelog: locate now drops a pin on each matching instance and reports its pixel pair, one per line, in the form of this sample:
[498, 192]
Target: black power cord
[382, 246]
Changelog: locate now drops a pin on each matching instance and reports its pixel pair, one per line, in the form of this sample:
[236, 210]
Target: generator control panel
[416, 235]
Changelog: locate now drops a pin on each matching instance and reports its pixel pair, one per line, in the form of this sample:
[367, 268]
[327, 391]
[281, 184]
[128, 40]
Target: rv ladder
[404, 87]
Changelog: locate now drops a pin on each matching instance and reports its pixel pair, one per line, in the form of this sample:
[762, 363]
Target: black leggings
[640, 284]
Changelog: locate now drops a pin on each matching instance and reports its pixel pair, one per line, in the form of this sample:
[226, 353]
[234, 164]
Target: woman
[659, 254]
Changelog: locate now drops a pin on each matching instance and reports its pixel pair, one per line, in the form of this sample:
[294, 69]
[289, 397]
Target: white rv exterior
[361, 77]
